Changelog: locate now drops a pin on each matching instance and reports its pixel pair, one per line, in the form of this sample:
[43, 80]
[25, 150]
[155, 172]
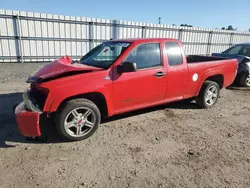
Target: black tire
[200, 99]
[70, 106]
[244, 80]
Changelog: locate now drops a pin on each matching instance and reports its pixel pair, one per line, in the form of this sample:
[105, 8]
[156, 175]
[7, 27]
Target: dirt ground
[175, 145]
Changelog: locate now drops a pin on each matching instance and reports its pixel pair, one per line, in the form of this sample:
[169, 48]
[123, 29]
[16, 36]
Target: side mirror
[126, 67]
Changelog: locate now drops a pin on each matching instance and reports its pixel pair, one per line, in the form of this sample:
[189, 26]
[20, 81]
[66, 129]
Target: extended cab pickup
[115, 77]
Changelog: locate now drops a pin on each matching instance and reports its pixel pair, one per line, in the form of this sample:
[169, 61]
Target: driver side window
[146, 56]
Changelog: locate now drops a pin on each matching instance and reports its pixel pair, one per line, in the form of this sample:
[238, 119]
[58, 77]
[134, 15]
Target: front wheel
[245, 80]
[78, 119]
[208, 95]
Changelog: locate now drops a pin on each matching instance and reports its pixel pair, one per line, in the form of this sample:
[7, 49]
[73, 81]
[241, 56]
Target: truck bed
[204, 66]
[200, 58]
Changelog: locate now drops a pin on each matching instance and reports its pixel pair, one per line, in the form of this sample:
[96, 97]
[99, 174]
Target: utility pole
[159, 20]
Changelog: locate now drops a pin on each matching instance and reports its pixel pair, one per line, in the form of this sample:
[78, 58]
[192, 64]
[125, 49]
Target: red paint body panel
[177, 78]
[139, 92]
[28, 122]
[138, 89]
[61, 89]
[206, 70]
[128, 91]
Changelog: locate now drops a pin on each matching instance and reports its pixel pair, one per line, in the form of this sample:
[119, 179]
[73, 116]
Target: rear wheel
[208, 95]
[245, 80]
[78, 119]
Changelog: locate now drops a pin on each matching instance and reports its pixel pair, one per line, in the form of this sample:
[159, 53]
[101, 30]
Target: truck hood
[59, 68]
[240, 58]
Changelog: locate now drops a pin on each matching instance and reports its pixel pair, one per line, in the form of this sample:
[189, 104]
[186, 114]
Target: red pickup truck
[119, 76]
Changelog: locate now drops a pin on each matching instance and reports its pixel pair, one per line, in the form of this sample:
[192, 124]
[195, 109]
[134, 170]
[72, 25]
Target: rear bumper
[27, 121]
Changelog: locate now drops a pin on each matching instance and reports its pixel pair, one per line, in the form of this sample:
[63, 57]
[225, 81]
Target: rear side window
[146, 56]
[174, 54]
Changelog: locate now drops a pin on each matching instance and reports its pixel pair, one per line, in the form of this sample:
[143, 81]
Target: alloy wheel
[211, 95]
[79, 121]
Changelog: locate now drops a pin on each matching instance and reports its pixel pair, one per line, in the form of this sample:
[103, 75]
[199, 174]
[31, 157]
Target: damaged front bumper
[28, 117]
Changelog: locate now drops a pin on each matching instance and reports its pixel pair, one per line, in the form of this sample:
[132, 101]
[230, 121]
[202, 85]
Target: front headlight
[28, 104]
[26, 100]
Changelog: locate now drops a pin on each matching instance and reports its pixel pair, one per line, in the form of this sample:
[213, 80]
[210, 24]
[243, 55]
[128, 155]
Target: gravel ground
[176, 145]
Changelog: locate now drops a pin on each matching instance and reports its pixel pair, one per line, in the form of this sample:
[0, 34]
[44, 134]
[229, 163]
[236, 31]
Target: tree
[230, 28]
[186, 25]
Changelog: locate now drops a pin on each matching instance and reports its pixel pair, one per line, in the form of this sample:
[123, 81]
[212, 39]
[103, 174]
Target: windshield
[239, 50]
[105, 54]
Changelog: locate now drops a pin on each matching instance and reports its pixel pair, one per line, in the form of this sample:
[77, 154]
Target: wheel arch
[96, 97]
[218, 78]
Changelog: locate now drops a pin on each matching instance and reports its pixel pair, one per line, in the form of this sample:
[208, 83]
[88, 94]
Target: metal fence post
[180, 34]
[209, 42]
[91, 35]
[18, 38]
[143, 33]
[115, 29]
[231, 39]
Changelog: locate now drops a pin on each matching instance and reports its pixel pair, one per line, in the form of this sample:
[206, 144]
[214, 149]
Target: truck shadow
[10, 136]
[237, 88]
[175, 105]
[8, 128]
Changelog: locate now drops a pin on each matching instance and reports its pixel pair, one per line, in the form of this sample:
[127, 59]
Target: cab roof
[144, 40]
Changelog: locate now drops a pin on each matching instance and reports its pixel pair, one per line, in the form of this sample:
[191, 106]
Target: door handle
[159, 74]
